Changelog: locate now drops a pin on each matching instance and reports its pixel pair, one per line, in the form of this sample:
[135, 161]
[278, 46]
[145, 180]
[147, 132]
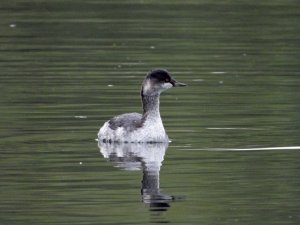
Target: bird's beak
[176, 83]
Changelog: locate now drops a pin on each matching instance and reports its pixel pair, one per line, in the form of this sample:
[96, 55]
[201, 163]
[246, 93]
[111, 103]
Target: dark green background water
[68, 66]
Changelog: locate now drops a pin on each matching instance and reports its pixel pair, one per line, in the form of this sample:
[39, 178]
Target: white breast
[151, 131]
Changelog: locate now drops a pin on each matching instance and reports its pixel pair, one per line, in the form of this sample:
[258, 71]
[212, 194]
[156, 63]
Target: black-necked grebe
[146, 127]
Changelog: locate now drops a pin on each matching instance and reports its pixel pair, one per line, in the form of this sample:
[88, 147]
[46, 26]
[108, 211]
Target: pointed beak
[176, 83]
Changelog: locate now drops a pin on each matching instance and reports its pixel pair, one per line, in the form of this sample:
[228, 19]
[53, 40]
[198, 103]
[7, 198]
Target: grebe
[145, 127]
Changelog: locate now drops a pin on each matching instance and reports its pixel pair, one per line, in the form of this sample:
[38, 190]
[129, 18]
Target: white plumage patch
[147, 87]
[152, 131]
[167, 86]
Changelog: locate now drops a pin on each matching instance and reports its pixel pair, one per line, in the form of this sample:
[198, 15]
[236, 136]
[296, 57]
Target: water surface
[68, 66]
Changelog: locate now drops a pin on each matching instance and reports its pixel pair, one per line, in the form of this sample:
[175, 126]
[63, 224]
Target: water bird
[148, 126]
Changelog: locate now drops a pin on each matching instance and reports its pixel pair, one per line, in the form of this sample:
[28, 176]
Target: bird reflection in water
[145, 157]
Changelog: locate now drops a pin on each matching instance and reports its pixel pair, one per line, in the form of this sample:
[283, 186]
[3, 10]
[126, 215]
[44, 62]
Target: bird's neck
[151, 104]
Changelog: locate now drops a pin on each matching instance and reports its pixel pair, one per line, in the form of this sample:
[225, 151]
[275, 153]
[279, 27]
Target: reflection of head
[159, 206]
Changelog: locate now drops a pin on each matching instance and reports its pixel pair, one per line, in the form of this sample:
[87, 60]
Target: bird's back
[128, 121]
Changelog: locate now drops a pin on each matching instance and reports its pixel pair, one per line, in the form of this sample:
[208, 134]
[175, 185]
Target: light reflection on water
[247, 149]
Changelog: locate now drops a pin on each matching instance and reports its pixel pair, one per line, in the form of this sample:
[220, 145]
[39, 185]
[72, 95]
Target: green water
[68, 66]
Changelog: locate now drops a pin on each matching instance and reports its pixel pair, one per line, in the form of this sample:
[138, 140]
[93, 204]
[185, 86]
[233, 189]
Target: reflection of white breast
[131, 156]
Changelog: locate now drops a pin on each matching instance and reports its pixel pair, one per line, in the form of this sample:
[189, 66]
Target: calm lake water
[68, 66]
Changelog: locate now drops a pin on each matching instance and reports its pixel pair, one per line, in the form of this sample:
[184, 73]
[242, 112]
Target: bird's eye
[167, 80]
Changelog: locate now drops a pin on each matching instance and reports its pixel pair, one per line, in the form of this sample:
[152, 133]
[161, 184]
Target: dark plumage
[129, 121]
